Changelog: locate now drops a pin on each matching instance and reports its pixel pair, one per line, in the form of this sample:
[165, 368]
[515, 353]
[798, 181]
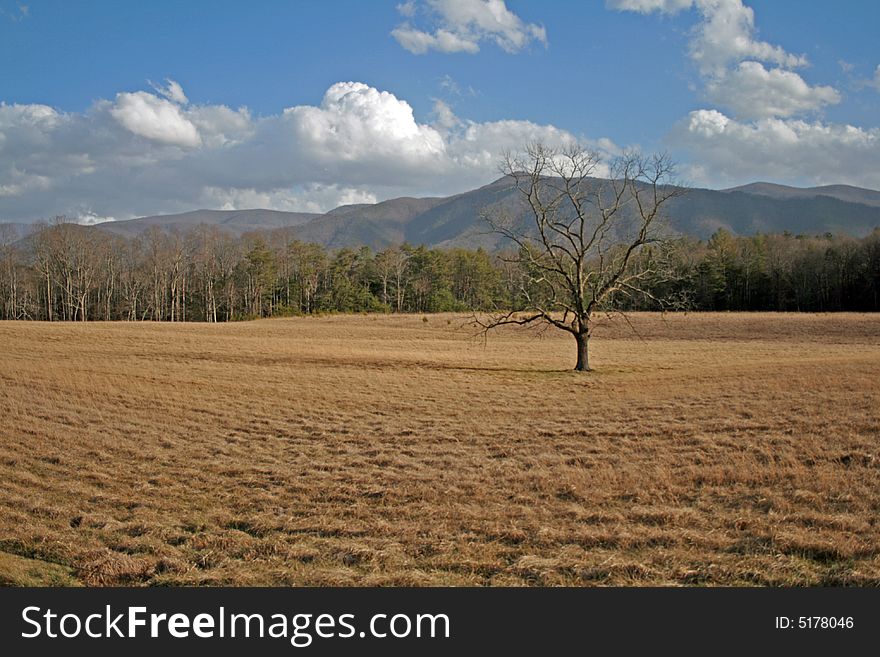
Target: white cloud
[171, 120]
[89, 218]
[407, 9]
[491, 19]
[760, 134]
[460, 26]
[446, 118]
[358, 123]
[143, 154]
[18, 183]
[478, 146]
[450, 88]
[733, 152]
[172, 91]
[730, 59]
[725, 34]
[155, 118]
[219, 125]
[35, 116]
[307, 198]
[419, 42]
[754, 92]
[648, 6]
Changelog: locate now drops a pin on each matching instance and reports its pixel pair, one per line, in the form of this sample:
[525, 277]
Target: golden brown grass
[713, 449]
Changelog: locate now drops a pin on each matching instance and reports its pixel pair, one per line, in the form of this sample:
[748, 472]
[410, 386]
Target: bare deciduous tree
[583, 237]
[391, 265]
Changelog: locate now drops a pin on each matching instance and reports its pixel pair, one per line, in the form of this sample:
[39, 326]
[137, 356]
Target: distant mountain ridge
[846, 193]
[235, 221]
[455, 220]
[12, 232]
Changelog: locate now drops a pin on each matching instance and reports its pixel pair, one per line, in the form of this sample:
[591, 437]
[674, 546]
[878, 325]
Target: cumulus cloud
[478, 145]
[725, 34]
[779, 149]
[155, 118]
[758, 129]
[754, 92]
[460, 26]
[40, 117]
[356, 122]
[731, 59]
[143, 153]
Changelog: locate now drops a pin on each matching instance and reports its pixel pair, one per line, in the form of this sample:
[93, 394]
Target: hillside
[12, 232]
[234, 221]
[839, 192]
[455, 220]
[373, 225]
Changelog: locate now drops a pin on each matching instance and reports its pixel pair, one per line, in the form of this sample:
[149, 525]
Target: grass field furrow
[713, 449]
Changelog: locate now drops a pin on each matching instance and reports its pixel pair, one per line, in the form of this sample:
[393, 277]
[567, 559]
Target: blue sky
[116, 109]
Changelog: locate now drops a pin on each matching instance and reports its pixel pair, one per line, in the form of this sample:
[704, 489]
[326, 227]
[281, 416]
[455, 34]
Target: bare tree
[11, 294]
[308, 262]
[583, 236]
[44, 262]
[132, 278]
[391, 266]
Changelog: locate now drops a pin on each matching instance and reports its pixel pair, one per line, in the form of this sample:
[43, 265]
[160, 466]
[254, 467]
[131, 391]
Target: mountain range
[455, 220]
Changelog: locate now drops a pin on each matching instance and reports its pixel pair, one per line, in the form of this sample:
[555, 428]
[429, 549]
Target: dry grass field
[708, 449]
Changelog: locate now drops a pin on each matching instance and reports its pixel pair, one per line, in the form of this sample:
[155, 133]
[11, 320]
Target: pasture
[710, 449]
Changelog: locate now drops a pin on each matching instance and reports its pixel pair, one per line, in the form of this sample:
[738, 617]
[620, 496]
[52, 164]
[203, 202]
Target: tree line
[64, 271]
[780, 272]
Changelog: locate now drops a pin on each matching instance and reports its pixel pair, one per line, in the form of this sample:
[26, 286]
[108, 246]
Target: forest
[63, 271]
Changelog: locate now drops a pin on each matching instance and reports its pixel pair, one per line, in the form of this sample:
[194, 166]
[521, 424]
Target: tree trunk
[583, 361]
[48, 296]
